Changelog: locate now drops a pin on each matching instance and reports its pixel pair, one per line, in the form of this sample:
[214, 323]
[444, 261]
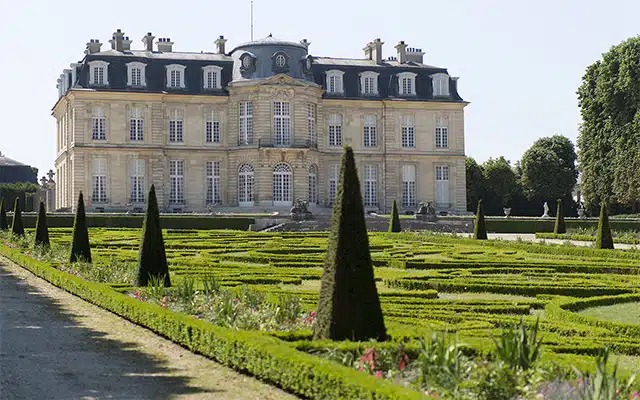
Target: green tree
[559, 226]
[80, 248]
[152, 258]
[4, 224]
[502, 185]
[479, 226]
[476, 182]
[17, 227]
[349, 306]
[394, 222]
[42, 229]
[604, 239]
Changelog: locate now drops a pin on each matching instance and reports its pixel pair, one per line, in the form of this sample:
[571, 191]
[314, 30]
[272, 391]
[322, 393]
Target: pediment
[286, 80]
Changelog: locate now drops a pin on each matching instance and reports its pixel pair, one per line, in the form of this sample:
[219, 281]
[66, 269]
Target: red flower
[379, 374]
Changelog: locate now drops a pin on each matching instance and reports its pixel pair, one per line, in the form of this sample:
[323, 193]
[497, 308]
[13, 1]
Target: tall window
[370, 185]
[213, 182]
[246, 122]
[245, 185]
[211, 77]
[211, 127]
[313, 184]
[369, 83]
[282, 187]
[311, 123]
[408, 133]
[175, 76]
[137, 181]
[407, 83]
[369, 131]
[333, 182]
[281, 123]
[176, 180]
[442, 185]
[98, 73]
[334, 82]
[176, 124]
[99, 124]
[136, 124]
[136, 74]
[442, 137]
[99, 194]
[335, 130]
[440, 84]
[408, 185]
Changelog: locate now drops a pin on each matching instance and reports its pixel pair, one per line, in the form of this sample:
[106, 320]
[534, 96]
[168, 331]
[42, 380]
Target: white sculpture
[545, 207]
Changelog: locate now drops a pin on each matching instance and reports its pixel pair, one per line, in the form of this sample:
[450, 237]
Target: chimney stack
[220, 44]
[148, 41]
[93, 46]
[305, 43]
[367, 51]
[117, 40]
[126, 43]
[164, 45]
[415, 55]
[376, 50]
[402, 52]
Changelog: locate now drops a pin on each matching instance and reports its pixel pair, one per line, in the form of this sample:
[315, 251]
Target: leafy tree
[604, 239]
[476, 182]
[4, 224]
[42, 230]
[479, 226]
[559, 226]
[349, 306]
[152, 258]
[502, 185]
[80, 248]
[17, 227]
[394, 223]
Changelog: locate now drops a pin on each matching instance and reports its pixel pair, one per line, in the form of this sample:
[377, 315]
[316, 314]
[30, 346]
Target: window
[98, 73]
[335, 130]
[246, 122]
[407, 84]
[245, 185]
[369, 131]
[282, 188]
[440, 84]
[176, 124]
[175, 76]
[311, 123]
[136, 124]
[370, 185]
[211, 127]
[442, 186]
[136, 74]
[369, 83]
[334, 82]
[408, 185]
[408, 133]
[281, 123]
[137, 181]
[333, 182]
[213, 182]
[442, 137]
[313, 184]
[281, 61]
[99, 194]
[99, 124]
[176, 180]
[211, 77]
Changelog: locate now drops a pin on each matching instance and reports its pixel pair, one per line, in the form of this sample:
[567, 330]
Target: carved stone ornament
[282, 93]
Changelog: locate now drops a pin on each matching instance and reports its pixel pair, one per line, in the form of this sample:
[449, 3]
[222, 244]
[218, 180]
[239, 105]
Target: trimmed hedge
[534, 225]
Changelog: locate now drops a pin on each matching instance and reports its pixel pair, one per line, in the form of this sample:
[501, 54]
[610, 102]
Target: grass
[628, 313]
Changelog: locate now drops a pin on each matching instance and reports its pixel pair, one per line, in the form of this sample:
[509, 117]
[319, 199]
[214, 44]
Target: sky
[519, 62]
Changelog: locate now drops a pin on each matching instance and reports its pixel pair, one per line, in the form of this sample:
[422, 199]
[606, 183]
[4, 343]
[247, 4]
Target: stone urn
[507, 212]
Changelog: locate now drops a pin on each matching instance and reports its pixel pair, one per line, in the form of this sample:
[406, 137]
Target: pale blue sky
[519, 62]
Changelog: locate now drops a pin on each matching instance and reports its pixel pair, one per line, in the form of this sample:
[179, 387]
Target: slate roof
[8, 162]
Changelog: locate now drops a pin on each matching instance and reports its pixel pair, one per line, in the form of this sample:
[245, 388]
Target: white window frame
[442, 137]
[312, 130]
[216, 72]
[440, 84]
[212, 131]
[442, 175]
[408, 132]
[176, 126]
[137, 180]
[312, 174]
[99, 124]
[212, 170]
[100, 172]
[245, 133]
[332, 180]
[93, 68]
[370, 130]
[131, 67]
[136, 124]
[281, 123]
[408, 185]
[335, 130]
[369, 83]
[176, 181]
[246, 180]
[179, 81]
[282, 188]
[370, 185]
[407, 83]
[335, 84]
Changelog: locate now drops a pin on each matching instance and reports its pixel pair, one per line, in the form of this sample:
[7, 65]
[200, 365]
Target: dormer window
[440, 84]
[369, 83]
[212, 77]
[175, 76]
[334, 82]
[98, 73]
[247, 63]
[407, 84]
[280, 62]
[136, 74]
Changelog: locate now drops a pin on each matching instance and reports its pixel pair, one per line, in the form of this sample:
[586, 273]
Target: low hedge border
[255, 353]
[583, 238]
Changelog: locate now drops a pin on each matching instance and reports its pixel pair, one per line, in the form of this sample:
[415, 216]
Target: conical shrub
[80, 248]
[560, 226]
[17, 227]
[604, 239]
[394, 223]
[42, 229]
[349, 306]
[479, 227]
[152, 259]
[4, 223]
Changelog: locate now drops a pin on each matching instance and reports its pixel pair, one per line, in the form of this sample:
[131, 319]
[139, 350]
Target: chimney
[220, 44]
[367, 51]
[402, 52]
[116, 40]
[164, 45]
[148, 41]
[415, 55]
[305, 43]
[93, 46]
[126, 43]
[376, 50]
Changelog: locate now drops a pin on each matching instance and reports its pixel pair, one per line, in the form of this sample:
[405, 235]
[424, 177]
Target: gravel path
[54, 345]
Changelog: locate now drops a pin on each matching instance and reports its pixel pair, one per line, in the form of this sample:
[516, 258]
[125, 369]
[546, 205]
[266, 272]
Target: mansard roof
[8, 162]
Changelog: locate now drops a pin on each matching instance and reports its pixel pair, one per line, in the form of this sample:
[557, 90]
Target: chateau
[256, 127]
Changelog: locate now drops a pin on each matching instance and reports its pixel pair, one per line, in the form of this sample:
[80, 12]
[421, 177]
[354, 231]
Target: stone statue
[581, 211]
[426, 212]
[507, 212]
[545, 207]
[300, 210]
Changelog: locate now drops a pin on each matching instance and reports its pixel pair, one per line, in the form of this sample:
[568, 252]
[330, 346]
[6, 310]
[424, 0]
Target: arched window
[282, 185]
[245, 185]
[313, 184]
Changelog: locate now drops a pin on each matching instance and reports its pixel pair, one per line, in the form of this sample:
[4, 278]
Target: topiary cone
[17, 227]
[560, 226]
[349, 306]
[80, 248]
[152, 259]
[394, 223]
[604, 239]
[42, 229]
[4, 224]
[479, 227]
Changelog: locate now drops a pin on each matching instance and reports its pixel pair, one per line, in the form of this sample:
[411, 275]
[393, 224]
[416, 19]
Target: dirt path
[54, 345]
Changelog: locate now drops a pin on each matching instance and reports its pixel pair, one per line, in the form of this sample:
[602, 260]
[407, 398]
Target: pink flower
[313, 314]
[404, 360]
[164, 302]
[379, 374]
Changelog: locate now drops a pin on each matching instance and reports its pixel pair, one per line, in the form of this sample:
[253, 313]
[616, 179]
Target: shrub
[80, 248]
[152, 258]
[604, 385]
[604, 239]
[441, 361]
[479, 228]
[349, 306]
[559, 227]
[17, 227]
[519, 348]
[4, 224]
[42, 231]
[394, 223]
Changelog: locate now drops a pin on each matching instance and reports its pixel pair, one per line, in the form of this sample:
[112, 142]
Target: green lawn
[627, 313]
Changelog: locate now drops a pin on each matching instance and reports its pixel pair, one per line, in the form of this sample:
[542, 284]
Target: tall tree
[349, 306]
[394, 222]
[152, 258]
[80, 247]
[4, 224]
[476, 183]
[502, 185]
[17, 227]
[42, 229]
